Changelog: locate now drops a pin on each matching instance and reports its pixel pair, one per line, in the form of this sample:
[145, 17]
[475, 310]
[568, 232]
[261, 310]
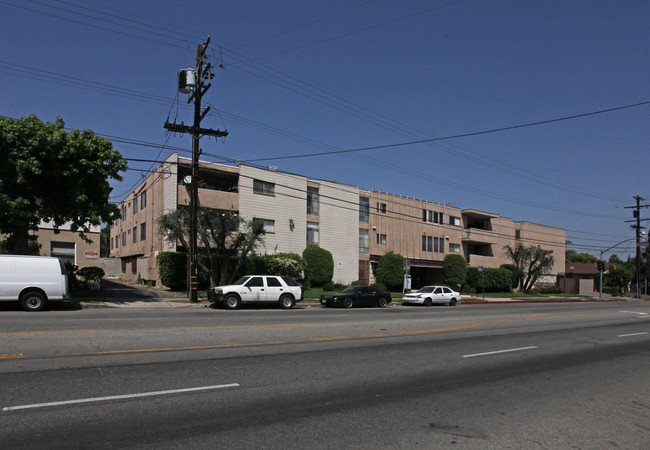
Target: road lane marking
[500, 351]
[119, 397]
[633, 334]
[15, 355]
[303, 341]
[639, 314]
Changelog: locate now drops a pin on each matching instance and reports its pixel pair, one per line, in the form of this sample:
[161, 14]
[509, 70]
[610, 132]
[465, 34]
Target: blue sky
[303, 77]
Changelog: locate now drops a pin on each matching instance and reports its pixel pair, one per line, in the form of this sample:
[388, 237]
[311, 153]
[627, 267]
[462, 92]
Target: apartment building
[356, 226]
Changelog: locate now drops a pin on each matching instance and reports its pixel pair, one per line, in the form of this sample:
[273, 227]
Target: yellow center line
[308, 340]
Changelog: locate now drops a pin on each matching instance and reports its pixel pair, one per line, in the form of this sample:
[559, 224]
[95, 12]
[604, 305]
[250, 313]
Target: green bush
[358, 283]
[319, 265]
[455, 270]
[390, 270]
[172, 268]
[90, 277]
[379, 286]
[496, 280]
[333, 287]
[515, 274]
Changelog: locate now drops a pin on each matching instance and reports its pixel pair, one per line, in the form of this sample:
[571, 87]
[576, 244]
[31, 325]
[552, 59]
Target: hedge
[496, 280]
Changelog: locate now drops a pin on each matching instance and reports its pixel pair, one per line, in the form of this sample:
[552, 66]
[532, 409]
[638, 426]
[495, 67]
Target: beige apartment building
[356, 226]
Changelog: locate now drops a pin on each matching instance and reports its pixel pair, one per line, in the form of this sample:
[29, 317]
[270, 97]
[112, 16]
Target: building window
[135, 205]
[312, 233]
[517, 234]
[313, 201]
[381, 208]
[123, 212]
[427, 215]
[135, 234]
[454, 248]
[364, 241]
[381, 239]
[143, 231]
[454, 221]
[143, 199]
[364, 209]
[117, 241]
[269, 226]
[427, 243]
[263, 187]
[65, 251]
[438, 217]
[123, 238]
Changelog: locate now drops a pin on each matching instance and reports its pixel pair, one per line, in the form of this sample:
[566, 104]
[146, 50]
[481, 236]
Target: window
[312, 233]
[273, 282]
[381, 207]
[263, 187]
[143, 231]
[517, 234]
[135, 234]
[454, 248]
[123, 238]
[123, 212]
[143, 199]
[364, 209]
[454, 221]
[135, 205]
[111, 239]
[269, 226]
[381, 239]
[313, 202]
[438, 217]
[427, 215]
[117, 241]
[364, 241]
[255, 282]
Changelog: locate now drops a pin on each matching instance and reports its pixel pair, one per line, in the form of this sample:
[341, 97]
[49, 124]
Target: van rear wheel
[33, 301]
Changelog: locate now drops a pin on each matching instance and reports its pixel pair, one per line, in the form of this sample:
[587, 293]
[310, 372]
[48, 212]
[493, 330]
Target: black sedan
[357, 296]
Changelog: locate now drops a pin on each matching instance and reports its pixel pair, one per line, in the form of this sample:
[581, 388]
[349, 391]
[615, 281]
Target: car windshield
[241, 281]
[425, 290]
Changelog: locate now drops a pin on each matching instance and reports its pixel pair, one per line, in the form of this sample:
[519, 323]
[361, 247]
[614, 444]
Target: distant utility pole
[191, 81]
[637, 227]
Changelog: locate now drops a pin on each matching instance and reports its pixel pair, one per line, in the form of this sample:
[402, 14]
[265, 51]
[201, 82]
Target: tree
[48, 174]
[227, 238]
[619, 276]
[390, 271]
[319, 265]
[455, 268]
[532, 262]
[574, 257]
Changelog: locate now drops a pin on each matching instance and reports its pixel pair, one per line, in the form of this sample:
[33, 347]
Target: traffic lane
[140, 330]
[286, 365]
[424, 393]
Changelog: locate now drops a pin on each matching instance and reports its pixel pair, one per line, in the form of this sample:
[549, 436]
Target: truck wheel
[231, 301]
[286, 301]
[33, 301]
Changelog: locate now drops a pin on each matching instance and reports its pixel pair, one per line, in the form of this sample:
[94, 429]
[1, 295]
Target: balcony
[479, 236]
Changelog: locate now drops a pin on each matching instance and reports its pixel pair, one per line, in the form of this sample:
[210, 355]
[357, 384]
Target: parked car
[428, 295]
[357, 296]
[32, 280]
[258, 289]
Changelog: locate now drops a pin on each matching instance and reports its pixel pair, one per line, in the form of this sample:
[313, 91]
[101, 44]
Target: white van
[32, 280]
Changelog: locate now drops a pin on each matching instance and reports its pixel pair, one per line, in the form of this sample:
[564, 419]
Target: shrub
[515, 274]
[455, 268]
[90, 277]
[390, 270]
[172, 268]
[496, 280]
[358, 283]
[333, 287]
[379, 286]
[319, 265]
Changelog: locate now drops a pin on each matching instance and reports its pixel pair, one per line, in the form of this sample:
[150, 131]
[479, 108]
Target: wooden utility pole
[637, 227]
[203, 74]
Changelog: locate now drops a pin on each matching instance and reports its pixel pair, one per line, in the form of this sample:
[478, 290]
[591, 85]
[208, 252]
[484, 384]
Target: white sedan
[428, 295]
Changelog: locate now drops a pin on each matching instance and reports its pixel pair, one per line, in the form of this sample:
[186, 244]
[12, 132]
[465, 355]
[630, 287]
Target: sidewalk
[118, 294]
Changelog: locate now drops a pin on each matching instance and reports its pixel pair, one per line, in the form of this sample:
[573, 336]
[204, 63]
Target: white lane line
[500, 351]
[633, 334]
[118, 397]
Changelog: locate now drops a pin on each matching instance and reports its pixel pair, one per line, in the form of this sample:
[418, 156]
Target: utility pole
[637, 227]
[203, 73]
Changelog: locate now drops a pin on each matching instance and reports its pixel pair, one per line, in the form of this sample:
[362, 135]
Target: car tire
[286, 301]
[427, 302]
[33, 301]
[382, 302]
[232, 301]
[348, 302]
[453, 302]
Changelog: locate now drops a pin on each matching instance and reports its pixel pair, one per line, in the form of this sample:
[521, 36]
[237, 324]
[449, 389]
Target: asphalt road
[474, 376]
